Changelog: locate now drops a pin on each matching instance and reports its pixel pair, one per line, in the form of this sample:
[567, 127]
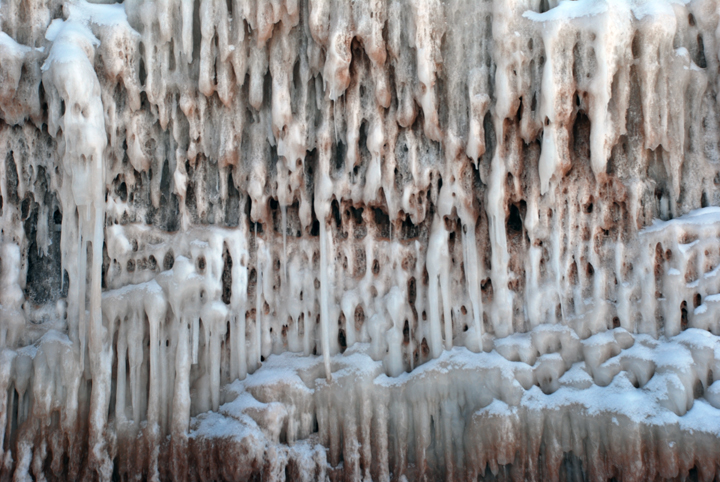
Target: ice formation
[359, 240]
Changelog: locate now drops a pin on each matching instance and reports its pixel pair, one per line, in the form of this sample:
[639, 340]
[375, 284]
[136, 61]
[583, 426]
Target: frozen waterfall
[359, 240]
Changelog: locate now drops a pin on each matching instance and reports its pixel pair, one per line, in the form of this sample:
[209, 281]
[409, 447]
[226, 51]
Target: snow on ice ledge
[610, 394]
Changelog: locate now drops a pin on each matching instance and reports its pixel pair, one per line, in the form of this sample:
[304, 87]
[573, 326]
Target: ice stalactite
[384, 240]
[76, 118]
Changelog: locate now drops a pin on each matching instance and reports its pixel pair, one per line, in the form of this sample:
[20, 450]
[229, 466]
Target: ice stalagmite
[362, 240]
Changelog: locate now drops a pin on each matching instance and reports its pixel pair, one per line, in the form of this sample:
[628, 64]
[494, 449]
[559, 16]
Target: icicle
[121, 380]
[181, 399]
[437, 257]
[502, 302]
[6, 364]
[155, 308]
[81, 287]
[216, 316]
[242, 350]
[135, 357]
[195, 339]
[395, 304]
[258, 302]
[472, 278]
[623, 297]
[283, 210]
[324, 294]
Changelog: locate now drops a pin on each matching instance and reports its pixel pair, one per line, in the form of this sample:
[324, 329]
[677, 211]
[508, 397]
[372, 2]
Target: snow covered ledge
[538, 405]
[388, 240]
[532, 405]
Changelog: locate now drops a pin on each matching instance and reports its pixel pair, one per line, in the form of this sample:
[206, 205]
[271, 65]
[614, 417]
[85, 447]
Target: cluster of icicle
[376, 239]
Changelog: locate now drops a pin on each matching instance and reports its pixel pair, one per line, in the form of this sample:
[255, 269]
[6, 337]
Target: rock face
[383, 239]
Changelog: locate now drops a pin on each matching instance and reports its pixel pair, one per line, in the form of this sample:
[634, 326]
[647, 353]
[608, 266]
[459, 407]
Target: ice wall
[355, 240]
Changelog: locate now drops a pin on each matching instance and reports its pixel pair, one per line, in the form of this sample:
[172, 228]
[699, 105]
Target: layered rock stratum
[359, 240]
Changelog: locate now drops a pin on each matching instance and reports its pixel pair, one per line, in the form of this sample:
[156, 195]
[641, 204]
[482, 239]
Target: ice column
[77, 120]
